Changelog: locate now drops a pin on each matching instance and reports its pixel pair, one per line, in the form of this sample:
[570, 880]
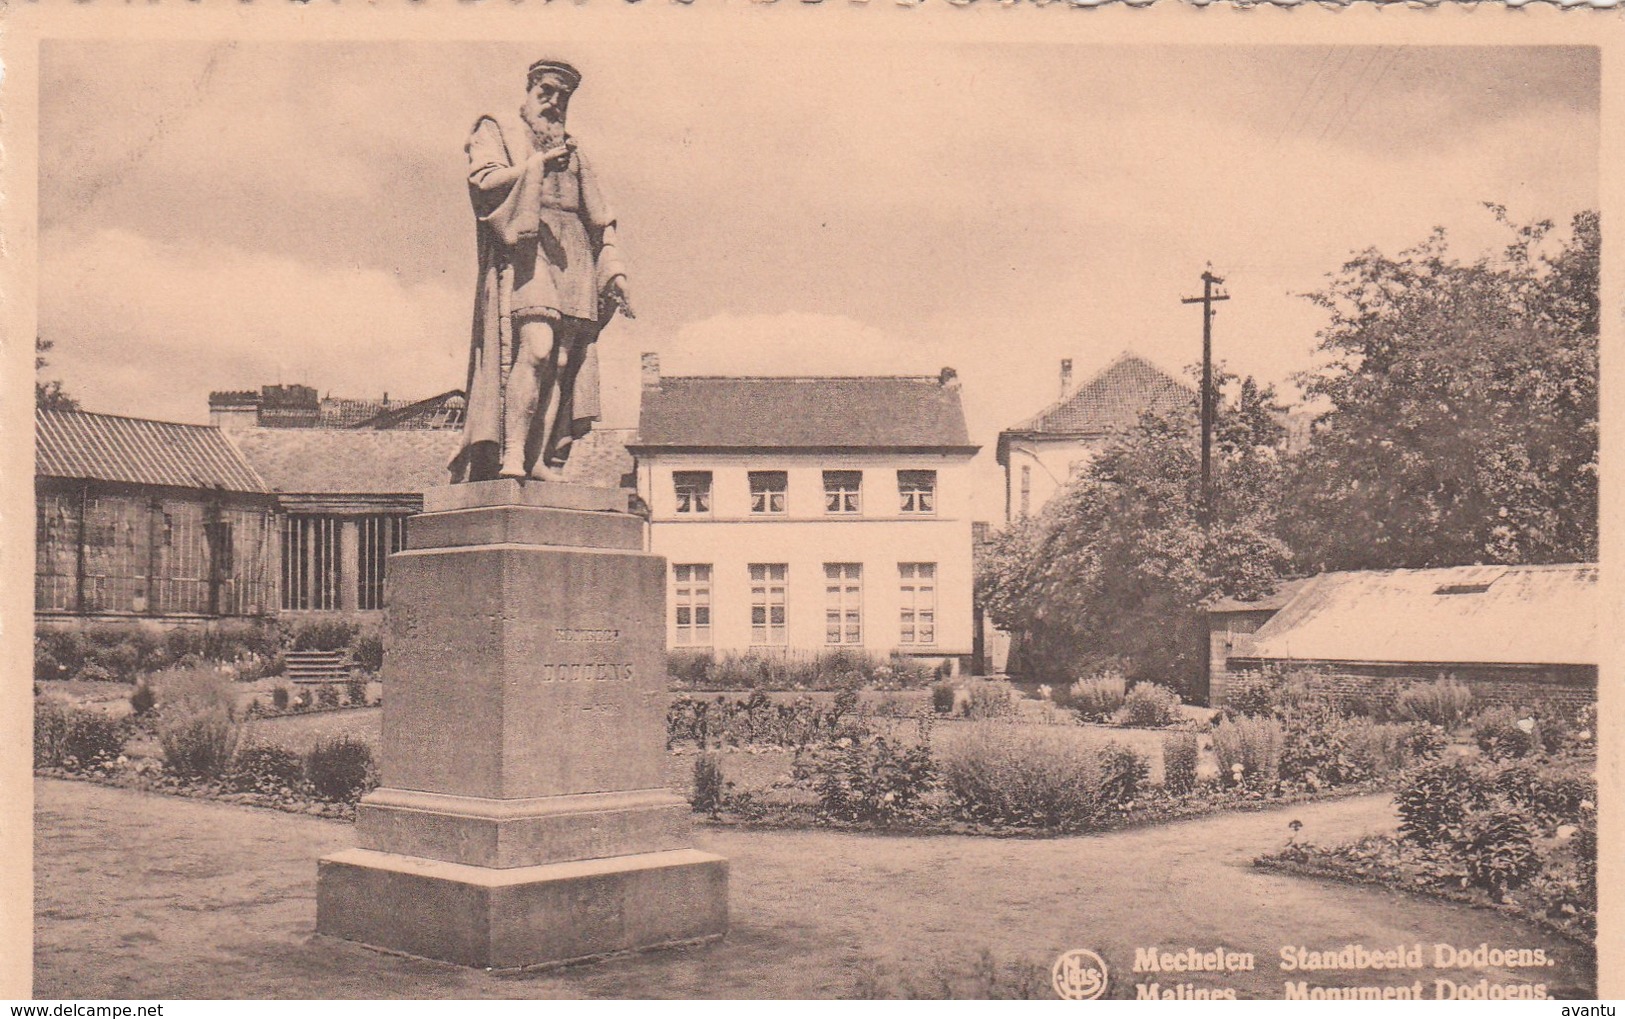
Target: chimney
[234, 410]
[948, 379]
[651, 371]
[1066, 376]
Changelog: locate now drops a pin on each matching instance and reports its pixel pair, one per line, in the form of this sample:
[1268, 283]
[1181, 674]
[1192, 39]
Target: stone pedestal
[522, 818]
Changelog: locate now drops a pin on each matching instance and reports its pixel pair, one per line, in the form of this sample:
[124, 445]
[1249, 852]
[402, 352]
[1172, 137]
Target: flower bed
[1517, 835]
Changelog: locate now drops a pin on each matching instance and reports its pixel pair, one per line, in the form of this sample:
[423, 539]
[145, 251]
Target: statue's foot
[511, 474]
[542, 472]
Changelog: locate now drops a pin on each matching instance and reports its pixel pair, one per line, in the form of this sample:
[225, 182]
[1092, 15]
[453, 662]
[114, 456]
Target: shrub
[942, 697]
[93, 737]
[197, 746]
[1097, 699]
[96, 672]
[324, 635]
[327, 695]
[197, 722]
[1498, 849]
[1552, 793]
[266, 768]
[46, 665]
[355, 692]
[1179, 757]
[50, 732]
[1424, 742]
[142, 699]
[368, 653]
[1434, 799]
[1047, 778]
[1503, 735]
[1266, 694]
[235, 639]
[58, 654]
[1443, 703]
[989, 699]
[194, 690]
[1323, 747]
[689, 668]
[1249, 750]
[1148, 705]
[279, 698]
[868, 778]
[709, 785]
[1123, 771]
[340, 769]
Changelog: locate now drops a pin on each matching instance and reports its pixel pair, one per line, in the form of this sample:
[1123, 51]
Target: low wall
[1561, 688]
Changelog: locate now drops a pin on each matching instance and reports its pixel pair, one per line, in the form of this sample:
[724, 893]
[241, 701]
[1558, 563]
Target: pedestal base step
[522, 916]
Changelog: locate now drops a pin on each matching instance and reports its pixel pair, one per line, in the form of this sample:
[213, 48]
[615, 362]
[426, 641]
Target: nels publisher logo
[1079, 975]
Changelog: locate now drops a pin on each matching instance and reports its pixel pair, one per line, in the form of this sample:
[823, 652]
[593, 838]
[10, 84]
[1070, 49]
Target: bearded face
[546, 102]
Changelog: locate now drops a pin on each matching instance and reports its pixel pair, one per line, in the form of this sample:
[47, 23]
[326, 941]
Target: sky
[222, 216]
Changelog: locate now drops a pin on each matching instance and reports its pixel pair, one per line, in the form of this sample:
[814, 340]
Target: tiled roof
[803, 413]
[331, 461]
[104, 447]
[1526, 615]
[337, 461]
[1112, 401]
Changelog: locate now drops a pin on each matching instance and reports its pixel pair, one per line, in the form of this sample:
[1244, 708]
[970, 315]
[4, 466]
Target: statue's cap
[571, 76]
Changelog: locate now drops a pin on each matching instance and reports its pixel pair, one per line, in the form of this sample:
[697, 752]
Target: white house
[1041, 454]
[810, 513]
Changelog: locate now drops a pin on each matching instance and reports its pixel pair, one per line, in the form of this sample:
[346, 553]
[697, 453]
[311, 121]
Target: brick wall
[1561, 688]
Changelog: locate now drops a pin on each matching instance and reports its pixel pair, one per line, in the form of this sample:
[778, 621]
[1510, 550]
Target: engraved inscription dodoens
[584, 672]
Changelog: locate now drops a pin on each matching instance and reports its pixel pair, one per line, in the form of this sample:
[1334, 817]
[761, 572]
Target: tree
[1462, 420]
[1116, 569]
[49, 395]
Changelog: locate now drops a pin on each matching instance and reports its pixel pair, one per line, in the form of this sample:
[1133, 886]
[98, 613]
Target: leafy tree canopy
[1463, 407]
[49, 395]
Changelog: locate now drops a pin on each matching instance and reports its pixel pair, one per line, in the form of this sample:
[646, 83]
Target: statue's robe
[546, 249]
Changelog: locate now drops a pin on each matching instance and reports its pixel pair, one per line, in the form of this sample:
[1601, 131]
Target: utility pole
[1209, 281]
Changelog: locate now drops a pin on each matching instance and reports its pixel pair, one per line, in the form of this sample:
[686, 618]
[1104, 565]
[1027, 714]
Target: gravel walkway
[145, 896]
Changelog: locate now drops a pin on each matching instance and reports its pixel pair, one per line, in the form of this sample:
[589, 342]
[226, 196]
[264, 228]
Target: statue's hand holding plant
[616, 295]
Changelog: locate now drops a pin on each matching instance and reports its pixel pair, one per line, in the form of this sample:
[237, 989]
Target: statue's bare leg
[547, 403]
[533, 373]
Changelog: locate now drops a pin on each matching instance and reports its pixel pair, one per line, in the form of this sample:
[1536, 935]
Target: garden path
[146, 896]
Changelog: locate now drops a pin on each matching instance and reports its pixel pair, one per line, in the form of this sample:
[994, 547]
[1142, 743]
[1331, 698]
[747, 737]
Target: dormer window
[693, 491]
[917, 492]
[843, 492]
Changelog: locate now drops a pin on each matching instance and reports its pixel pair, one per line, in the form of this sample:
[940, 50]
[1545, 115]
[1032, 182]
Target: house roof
[106, 447]
[1284, 592]
[349, 462]
[332, 461]
[1111, 401]
[1526, 615]
[889, 412]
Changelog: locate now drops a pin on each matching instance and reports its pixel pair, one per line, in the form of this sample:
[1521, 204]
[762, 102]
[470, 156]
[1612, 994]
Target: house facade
[1041, 454]
[798, 515]
[147, 520]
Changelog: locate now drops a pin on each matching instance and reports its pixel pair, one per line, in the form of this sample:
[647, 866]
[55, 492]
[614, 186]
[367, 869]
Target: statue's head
[548, 87]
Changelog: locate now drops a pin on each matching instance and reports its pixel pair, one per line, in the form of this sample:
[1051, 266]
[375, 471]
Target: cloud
[149, 328]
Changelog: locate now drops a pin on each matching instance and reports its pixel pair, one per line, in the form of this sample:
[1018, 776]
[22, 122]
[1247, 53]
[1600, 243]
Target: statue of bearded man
[549, 280]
